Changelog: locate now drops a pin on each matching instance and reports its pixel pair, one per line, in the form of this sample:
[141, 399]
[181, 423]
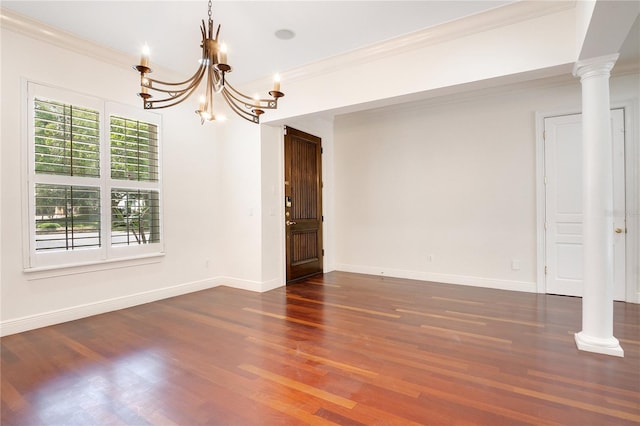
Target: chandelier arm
[199, 71]
[151, 104]
[184, 95]
[239, 96]
[173, 93]
[250, 102]
[239, 111]
[178, 92]
[238, 103]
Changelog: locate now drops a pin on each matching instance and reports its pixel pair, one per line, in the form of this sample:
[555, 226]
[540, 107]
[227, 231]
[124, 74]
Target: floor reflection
[119, 387]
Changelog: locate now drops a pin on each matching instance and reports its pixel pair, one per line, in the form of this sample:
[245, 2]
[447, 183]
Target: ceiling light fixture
[214, 66]
[285, 34]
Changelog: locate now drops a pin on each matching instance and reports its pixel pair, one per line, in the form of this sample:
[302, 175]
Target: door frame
[632, 194]
[320, 188]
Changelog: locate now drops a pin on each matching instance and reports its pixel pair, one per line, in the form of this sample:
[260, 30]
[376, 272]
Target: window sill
[45, 272]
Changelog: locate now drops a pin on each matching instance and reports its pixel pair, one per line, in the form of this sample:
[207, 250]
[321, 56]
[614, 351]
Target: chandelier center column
[597, 208]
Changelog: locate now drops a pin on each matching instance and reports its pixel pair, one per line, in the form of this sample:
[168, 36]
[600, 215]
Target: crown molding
[626, 67]
[35, 29]
[40, 31]
[484, 21]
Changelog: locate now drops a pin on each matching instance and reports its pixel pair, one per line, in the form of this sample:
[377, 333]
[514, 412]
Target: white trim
[632, 171]
[282, 236]
[43, 32]
[25, 167]
[45, 272]
[45, 319]
[250, 285]
[541, 285]
[500, 284]
[271, 284]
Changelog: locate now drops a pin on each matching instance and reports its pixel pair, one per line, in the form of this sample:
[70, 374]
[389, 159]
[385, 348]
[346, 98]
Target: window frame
[106, 253]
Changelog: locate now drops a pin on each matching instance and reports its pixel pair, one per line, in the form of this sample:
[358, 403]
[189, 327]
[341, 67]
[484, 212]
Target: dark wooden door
[303, 204]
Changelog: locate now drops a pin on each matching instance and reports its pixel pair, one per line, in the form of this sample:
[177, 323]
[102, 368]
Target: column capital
[602, 65]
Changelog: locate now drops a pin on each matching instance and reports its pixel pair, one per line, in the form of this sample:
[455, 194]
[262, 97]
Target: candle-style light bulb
[203, 102]
[223, 54]
[144, 59]
[276, 83]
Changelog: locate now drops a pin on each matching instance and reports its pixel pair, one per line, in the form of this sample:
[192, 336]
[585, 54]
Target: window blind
[134, 150]
[67, 139]
[67, 217]
[84, 209]
[135, 217]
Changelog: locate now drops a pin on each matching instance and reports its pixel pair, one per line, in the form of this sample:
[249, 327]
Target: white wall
[272, 182]
[454, 179]
[239, 205]
[191, 190]
[476, 49]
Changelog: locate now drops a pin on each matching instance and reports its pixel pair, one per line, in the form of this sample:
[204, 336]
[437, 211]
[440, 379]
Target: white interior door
[563, 204]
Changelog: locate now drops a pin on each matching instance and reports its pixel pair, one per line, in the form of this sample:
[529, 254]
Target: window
[135, 213]
[94, 179]
[67, 217]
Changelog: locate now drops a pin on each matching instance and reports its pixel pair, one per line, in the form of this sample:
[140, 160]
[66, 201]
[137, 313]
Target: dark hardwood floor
[341, 349]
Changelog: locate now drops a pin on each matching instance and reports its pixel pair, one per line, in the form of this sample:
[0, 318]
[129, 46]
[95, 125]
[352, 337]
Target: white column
[597, 207]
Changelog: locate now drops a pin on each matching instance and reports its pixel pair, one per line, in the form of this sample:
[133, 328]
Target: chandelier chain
[210, 11]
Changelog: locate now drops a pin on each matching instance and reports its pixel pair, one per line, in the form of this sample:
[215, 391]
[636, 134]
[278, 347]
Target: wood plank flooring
[342, 349]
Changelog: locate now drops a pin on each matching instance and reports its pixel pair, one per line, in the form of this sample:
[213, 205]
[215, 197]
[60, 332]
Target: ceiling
[171, 28]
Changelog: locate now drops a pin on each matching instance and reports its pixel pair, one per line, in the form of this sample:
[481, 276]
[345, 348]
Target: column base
[601, 346]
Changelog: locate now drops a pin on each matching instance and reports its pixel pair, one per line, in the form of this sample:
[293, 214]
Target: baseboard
[272, 284]
[45, 319]
[500, 284]
[257, 286]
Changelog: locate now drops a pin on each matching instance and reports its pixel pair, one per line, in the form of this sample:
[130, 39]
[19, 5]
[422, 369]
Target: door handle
[290, 222]
[618, 230]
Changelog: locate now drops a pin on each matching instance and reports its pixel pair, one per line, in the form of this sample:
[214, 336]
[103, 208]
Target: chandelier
[213, 66]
